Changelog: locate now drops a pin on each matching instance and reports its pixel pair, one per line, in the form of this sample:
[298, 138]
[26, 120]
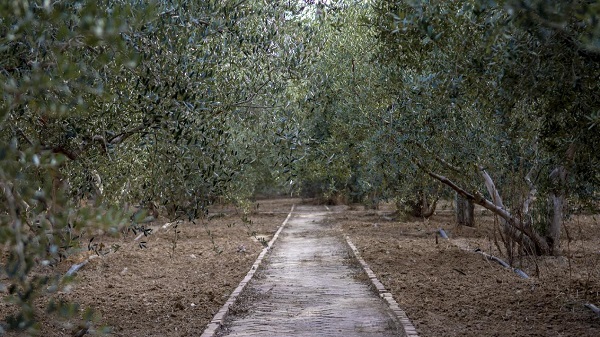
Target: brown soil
[449, 291]
[167, 290]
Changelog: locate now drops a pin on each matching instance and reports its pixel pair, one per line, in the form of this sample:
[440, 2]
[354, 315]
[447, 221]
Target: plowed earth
[451, 291]
[174, 286]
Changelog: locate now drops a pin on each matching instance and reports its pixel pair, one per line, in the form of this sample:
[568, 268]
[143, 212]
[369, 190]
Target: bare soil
[451, 291]
[174, 287]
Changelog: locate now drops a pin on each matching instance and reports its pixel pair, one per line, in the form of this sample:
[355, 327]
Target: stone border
[219, 318]
[409, 328]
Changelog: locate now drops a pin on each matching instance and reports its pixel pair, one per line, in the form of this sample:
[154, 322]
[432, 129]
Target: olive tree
[55, 58]
[122, 102]
[335, 100]
[497, 97]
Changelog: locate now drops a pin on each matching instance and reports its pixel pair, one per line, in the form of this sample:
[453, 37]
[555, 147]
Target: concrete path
[308, 287]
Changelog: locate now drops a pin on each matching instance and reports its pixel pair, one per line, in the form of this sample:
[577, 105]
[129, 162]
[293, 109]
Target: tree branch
[114, 140]
[248, 100]
[525, 236]
[532, 192]
[491, 187]
[73, 155]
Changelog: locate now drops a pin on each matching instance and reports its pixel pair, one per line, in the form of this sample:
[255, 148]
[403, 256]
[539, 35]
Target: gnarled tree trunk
[423, 206]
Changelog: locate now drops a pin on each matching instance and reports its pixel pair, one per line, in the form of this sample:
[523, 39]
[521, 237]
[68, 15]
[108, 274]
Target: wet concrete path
[308, 287]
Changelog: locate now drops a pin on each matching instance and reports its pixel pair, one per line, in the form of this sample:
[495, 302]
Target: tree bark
[465, 210]
[556, 218]
[428, 211]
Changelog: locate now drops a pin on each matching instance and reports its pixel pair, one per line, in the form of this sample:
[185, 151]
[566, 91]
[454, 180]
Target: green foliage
[336, 104]
[178, 104]
[54, 58]
[167, 103]
[486, 84]
[507, 87]
[453, 88]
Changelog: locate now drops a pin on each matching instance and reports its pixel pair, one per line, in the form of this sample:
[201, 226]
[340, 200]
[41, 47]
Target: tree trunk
[556, 208]
[428, 211]
[519, 231]
[464, 211]
[556, 217]
[421, 206]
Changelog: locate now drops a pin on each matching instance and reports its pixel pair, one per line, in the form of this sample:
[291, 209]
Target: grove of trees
[176, 104]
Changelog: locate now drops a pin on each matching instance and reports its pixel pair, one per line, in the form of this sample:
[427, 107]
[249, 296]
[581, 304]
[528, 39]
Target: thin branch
[248, 100]
[260, 106]
[24, 136]
[102, 142]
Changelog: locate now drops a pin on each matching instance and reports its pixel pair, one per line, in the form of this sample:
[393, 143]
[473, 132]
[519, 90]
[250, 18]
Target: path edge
[409, 328]
[219, 318]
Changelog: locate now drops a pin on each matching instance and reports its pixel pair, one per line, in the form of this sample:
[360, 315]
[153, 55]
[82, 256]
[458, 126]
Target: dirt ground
[449, 291]
[174, 287]
[170, 288]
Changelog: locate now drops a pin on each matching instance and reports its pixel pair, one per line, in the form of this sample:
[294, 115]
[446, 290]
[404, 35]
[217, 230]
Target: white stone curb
[409, 328]
[219, 318]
